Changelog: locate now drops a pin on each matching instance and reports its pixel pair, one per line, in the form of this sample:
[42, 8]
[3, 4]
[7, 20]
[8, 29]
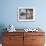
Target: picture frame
[26, 14]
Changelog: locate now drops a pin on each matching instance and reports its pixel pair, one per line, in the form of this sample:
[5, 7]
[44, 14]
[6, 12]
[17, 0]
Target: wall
[8, 13]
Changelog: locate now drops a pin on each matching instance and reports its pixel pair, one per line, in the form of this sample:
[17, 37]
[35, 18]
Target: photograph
[26, 14]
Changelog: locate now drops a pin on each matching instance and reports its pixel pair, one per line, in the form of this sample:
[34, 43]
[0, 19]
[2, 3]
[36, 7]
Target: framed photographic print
[26, 14]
